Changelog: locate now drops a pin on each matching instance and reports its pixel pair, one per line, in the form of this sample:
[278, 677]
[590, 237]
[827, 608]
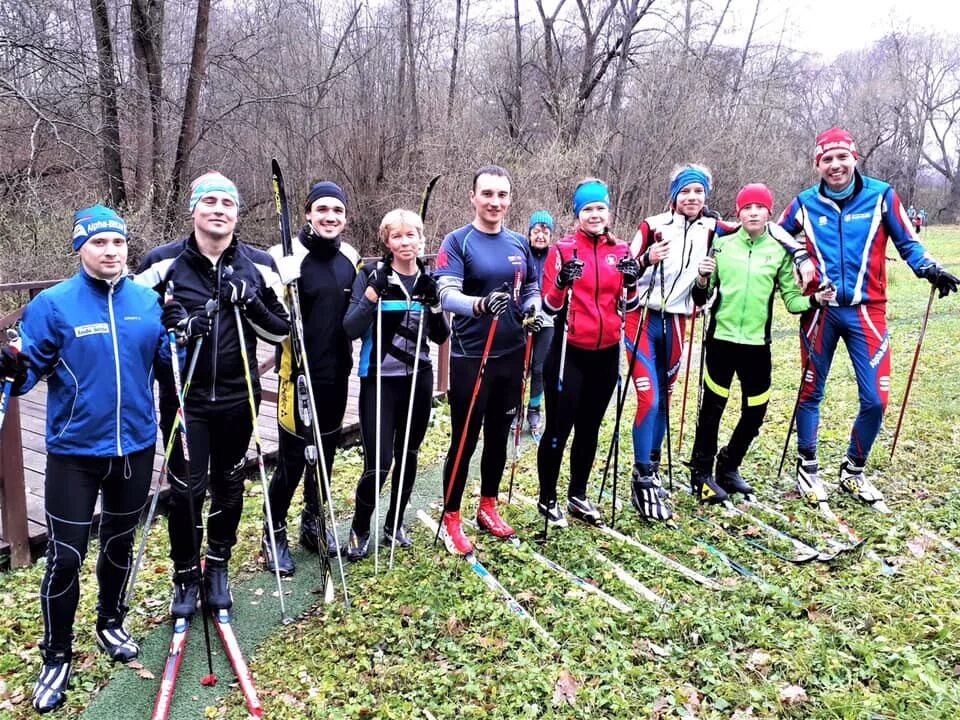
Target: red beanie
[755, 193]
[831, 140]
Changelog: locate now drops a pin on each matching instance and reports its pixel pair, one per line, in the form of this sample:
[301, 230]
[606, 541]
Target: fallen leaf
[565, 690]
[919, 546]
[759, 660]
[752, 531]
[661, 707]
[698, 551]
[145, 674]
[454, 626]
[691, 700]
[792, 695]
[743, 713]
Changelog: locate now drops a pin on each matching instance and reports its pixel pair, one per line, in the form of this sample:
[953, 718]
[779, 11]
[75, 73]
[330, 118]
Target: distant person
[918, 218]
[97, 339]
[844, 221]
[540, 235]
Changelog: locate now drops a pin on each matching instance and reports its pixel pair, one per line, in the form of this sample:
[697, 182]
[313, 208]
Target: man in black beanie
[326, 267]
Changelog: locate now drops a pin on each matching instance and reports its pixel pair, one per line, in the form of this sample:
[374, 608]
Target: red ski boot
[489, 519]
[452, 534]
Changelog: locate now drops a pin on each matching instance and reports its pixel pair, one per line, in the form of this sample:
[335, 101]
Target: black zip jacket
[219, 376]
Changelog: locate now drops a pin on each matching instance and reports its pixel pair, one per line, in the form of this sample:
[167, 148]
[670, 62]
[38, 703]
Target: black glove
[379, 279]
[239, 291]
[13, 364]
[941, 279]
[426, 290]
[708, 213]
[533, 320]
[495, 303]
[571, 270]
[185, 325]
[630, 269]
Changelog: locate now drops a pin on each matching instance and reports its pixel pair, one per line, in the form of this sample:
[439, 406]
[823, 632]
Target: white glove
[288, 267]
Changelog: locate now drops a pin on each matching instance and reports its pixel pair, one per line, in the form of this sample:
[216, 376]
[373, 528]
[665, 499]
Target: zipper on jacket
[116, 362]
[746, 289]
[596, 293]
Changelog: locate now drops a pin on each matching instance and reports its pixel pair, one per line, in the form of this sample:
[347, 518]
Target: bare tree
[112, 170]
[146, 29]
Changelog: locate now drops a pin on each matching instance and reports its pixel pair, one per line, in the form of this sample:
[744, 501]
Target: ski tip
[209, 680]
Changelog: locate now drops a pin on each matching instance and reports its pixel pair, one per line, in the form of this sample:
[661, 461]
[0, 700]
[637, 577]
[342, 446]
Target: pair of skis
[223, 621]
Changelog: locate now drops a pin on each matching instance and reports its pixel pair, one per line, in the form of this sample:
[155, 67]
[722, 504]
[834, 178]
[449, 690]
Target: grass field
[427, 639]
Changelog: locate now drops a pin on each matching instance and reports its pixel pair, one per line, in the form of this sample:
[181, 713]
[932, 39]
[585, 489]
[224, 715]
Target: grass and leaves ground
[426, 639]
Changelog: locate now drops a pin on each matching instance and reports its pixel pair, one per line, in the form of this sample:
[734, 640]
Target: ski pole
[527, 353]
[211, 678]
[314, 454]
[566, 333]
[621, 392]
[406, 438]
[913, 370]
[665, 393]
[244, 358]
[816, 326]
[686, 383]
[377, 438]
[466, 423]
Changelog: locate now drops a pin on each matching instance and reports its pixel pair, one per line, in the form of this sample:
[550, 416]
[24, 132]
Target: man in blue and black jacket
[845, 221]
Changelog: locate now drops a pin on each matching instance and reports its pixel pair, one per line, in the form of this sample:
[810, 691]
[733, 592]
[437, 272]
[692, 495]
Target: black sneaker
[705, 488]
[186, 592]
[216, 585]
[284, 560]
[309, 531]
[402, 536]
[552, 512]
[646, 497]
[357, 547]
[729, 478]
[584, 510]
[50, 690]
[115, 641]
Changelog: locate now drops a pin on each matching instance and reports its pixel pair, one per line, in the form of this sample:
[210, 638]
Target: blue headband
[688, 176]
[590, 192]
[209, 183]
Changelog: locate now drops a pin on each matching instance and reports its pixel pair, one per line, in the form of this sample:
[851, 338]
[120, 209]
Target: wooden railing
[13, 495]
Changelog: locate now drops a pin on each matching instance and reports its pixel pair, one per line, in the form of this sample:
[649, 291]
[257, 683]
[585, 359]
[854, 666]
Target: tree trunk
[112, 168]
[146, 25]
[191, 110]
[452, 90]
[412, 73]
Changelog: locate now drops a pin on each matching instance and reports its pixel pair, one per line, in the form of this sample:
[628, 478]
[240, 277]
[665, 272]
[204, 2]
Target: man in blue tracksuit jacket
[97, 339]
[845, 221]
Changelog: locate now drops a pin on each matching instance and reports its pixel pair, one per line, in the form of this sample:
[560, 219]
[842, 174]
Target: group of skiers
[101, 338]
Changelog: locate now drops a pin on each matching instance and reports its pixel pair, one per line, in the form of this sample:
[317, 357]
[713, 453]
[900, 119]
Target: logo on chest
[92, 329]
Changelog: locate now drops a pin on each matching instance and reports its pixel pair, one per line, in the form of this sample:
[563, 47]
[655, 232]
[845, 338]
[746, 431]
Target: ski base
[222, 620]
[171, 669]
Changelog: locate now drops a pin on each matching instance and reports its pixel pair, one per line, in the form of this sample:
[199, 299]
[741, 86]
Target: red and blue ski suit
[847, 241]
[591, 312]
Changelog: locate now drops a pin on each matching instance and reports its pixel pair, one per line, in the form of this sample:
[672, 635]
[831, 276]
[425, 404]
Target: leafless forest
[124, 101]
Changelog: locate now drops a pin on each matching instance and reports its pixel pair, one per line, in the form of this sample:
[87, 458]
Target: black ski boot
[115, 641]
[729, 478]
[357, 547]
[284, 560]
[216, 582]
[646, 496]
[402, 536]
[702, 484]
[50, 690]
[309, 531]
[582, 509]
[186, 592]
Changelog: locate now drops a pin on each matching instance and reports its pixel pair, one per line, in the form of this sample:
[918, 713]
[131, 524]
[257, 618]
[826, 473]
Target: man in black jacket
[203, 277]
[326, 267]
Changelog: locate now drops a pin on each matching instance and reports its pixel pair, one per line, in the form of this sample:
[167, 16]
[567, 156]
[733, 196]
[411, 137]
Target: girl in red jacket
[589, 279]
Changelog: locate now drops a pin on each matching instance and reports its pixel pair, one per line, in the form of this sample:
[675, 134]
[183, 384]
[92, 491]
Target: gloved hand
[709, 213]
[288, 267]
[13, 364]
[427, 291]
[495, 303]
[571, 270]
[240, 292]
[825, 294]
[379, 280]
[533, 320]
[631, 271]
[186, 325]
[943, 281]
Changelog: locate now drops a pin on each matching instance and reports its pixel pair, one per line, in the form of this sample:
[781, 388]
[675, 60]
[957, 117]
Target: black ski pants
[331, 403]
[395, 399]
[71, 486]
[752, 366]
[589, 378]
[494, 410]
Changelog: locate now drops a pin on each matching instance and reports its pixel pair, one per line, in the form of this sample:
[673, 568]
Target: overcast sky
[830, 27]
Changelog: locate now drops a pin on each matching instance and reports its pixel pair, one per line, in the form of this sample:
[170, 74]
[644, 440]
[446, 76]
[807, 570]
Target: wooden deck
[33, 424]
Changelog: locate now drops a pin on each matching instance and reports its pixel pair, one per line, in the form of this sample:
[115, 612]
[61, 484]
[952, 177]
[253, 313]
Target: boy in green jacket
[744, 270]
